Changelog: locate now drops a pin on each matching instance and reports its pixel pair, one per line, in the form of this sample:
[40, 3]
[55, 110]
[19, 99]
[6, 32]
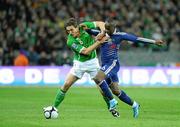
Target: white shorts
[91, 67]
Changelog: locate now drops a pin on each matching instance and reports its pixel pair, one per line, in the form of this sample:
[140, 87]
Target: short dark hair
[110, 23]
[71, 22]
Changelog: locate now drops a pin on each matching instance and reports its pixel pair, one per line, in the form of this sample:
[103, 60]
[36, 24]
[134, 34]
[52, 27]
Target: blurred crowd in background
[34, 29]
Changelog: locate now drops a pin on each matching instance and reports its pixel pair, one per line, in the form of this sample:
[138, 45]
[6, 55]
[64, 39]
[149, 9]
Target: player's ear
[66, 31]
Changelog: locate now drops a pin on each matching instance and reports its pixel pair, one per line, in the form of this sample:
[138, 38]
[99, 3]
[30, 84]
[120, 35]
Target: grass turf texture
[84, 107]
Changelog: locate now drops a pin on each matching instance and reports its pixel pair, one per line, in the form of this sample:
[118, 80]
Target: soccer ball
[50, 112]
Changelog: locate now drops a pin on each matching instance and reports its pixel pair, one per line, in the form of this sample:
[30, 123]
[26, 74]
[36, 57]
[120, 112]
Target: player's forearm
[134, 38]
[145, 40]
[87, 51]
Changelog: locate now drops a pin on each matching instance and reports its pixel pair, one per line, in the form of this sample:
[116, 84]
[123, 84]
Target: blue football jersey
[109, 49]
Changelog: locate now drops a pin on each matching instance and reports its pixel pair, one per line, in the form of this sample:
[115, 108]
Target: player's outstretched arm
[99, 35]
[100, 25]
[134, 38]
[157, 42]
[93, 25]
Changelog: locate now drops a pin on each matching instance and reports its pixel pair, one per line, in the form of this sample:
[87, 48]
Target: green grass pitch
[84, 107]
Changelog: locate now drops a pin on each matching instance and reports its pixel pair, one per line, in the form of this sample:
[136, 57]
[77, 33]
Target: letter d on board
[33, 76]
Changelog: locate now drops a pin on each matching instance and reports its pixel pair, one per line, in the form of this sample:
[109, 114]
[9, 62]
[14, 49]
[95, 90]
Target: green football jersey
[83, 41]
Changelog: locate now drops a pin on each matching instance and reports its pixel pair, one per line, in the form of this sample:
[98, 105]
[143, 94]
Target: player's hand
[100, 36]
[159, 42]
[104, 39]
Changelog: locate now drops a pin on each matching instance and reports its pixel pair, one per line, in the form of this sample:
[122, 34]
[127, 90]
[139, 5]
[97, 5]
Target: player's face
[109, 28]
[74, 31]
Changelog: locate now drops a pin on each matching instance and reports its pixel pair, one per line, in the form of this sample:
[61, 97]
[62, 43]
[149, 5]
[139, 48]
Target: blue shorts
[110, 69]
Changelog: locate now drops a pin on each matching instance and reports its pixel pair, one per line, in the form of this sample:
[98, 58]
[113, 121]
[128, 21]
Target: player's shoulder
[70, 37]
[88, 24]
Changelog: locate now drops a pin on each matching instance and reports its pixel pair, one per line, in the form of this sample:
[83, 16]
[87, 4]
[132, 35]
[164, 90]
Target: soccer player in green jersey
[85, 58]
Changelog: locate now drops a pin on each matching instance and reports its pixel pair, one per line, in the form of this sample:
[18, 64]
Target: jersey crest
[79, 40]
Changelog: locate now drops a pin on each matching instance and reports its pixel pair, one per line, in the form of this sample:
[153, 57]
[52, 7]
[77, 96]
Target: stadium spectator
[1, 56]
[21, 59]
[33, 56]
[39, 23]
[43, 60]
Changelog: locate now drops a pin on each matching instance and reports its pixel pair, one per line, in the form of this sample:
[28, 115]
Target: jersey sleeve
[90, 25]
[74, 46]
[134, 38]
[128, 37]
[93, 32]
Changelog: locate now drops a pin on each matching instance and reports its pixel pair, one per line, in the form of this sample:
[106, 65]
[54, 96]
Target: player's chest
[111, 44]
[84, 39]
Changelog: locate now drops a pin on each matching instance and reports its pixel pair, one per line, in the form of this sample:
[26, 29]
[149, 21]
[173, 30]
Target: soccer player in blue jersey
[110, 62]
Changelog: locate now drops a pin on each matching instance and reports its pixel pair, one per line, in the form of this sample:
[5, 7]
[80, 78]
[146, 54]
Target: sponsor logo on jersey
[112, 46]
